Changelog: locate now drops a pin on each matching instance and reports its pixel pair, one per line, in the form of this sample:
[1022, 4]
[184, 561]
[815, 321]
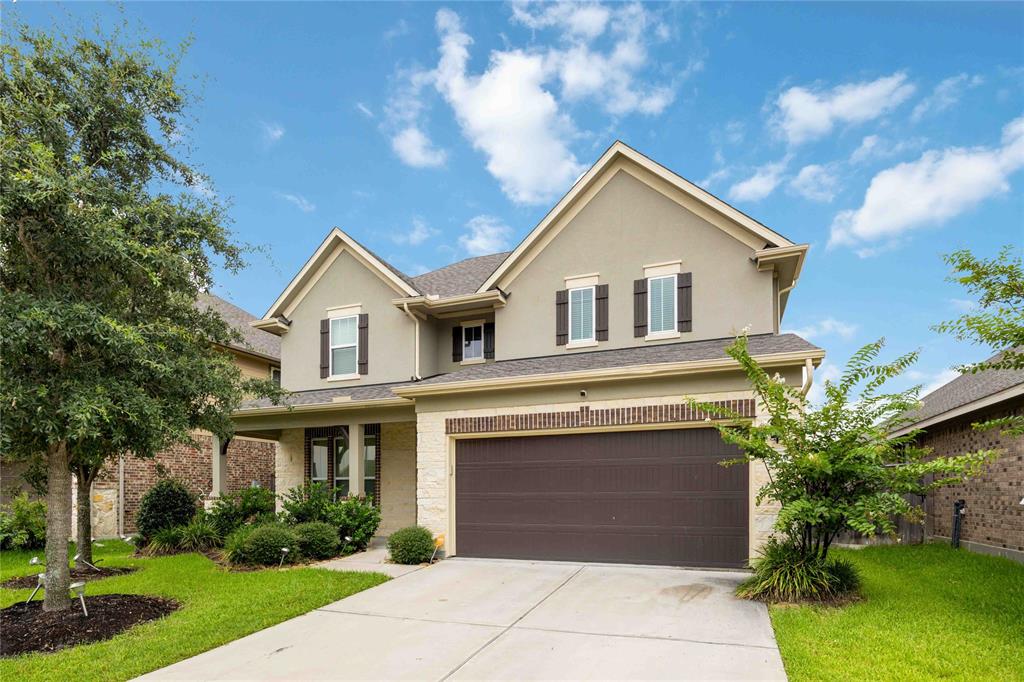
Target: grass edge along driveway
[930, 612]
[217, 606]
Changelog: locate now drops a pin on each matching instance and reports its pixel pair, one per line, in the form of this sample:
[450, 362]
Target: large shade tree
[107, 237]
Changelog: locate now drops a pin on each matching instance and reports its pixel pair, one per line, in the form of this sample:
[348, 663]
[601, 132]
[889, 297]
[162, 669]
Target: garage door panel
[639, 497]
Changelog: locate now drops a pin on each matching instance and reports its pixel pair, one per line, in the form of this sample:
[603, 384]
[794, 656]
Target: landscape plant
[23, 523]
[167, 504]
[833, 467]
[198, 535]
[411, 545]
[262, 546]
[317, 539]
[356, 519]
[311, 501]
[246, 506]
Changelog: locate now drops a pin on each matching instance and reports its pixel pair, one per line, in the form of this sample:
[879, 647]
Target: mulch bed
[85, 573]
[27, 628]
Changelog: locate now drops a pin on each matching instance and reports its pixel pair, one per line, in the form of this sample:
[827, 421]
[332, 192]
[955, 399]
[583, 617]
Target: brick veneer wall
[994, 516]
[247, 461]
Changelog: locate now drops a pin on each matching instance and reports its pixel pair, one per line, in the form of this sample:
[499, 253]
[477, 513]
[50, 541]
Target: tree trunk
[58, 528]
[84, 535]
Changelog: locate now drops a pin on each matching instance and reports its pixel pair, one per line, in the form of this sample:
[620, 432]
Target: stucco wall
[397, 476]
[347, 282]
[626, 226]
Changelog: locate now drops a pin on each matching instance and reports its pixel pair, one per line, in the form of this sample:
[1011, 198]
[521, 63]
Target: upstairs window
[275, 376]
[473, 342]
[581, 314]
[344, 345]
[661, 304]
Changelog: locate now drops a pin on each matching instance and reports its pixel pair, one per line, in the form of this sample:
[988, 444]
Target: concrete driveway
[473, 619]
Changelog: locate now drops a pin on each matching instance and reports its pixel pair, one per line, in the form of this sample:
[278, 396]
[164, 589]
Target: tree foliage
[107, 238]
[834, 468]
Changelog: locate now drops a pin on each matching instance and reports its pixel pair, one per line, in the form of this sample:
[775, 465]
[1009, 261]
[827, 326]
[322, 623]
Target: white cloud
[400, 29]
[945, 95]
[828, 326]
[415, 149]
[485, 234]
[815, 182]
[825, 372]
[762, 183]
[963, 305]
[931, 190]
[300, 202]
[364, 110]
[931, 382]
[416, 235]
[803, 114]
[867, 149]
[508, 115]
[714, 177]
[579, 20]
[201, 187]
[873, 147]
[271, 132]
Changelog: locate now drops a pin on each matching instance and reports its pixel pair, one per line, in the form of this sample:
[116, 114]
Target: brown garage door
[645, 497]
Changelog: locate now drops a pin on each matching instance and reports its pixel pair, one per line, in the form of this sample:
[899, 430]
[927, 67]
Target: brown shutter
[639, 307]
[684, 302]
[561, 317]
[364, 344]
[457, 343]
[325, 348]
[601, 300]
[489, 340]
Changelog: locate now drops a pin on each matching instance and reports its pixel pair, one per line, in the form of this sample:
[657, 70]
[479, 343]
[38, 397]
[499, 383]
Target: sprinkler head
[34, 561]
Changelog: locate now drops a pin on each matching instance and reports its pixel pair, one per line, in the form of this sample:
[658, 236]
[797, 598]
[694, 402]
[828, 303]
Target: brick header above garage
[587, 417]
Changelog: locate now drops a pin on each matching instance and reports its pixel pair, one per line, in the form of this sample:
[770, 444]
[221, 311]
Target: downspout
[120, 496]
[808, 377]
[416, 343]
[778, 304]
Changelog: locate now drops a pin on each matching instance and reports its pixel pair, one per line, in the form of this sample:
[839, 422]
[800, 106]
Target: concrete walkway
[469, 619]
[373, 560]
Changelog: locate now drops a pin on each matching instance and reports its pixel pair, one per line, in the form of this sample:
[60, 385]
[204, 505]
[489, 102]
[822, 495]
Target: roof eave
[961, 410]
[492, 298]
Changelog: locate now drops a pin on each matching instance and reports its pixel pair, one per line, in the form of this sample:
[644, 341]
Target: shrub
[166, 505]
[784, 573]
[317, 539]
[234, 544]
[308, 502]
[249, 505]
[198, 535]
[412, 545]
[356, 518]
[23, 524]
[262, 545]
[164, 541]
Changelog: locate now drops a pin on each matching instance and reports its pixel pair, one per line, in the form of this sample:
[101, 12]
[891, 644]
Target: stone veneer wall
[434, 440]
[397, 476]
[995, 516]
[289, 465]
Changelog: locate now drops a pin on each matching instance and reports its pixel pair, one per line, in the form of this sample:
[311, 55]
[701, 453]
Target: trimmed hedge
[261, 545]
[317, 540]
[412, 545]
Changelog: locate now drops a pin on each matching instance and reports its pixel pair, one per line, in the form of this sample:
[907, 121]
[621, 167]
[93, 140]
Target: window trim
[673, 331]
[277, 371]
[312, 445]
[376, 450]
[475, 360]
[592, 339]
[334, 454]
[331, 347]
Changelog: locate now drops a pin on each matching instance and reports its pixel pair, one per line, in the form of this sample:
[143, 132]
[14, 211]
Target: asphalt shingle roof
[691, 351]
[254, 339]
[463, 277]
[966, 389]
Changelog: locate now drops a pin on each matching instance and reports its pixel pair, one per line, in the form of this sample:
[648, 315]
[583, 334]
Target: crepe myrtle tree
[105, 244]
[834, 467]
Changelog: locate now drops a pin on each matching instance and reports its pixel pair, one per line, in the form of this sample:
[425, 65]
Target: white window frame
[376, 450]
[327, 446]
[673, 331]
[475, 360]
[331, 347]
[334, 454]
[592, 339]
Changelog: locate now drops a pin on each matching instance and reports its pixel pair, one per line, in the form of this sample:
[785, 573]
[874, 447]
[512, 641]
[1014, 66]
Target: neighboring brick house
[248, 460]
[994, 518]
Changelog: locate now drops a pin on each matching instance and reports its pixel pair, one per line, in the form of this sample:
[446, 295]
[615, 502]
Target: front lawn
[930, 612]
[218, 606]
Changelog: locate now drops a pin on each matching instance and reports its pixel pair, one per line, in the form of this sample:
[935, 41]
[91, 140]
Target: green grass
[930, 612]
[218, 606]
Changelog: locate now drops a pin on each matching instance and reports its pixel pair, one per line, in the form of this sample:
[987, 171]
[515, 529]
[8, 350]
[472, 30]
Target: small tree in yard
[834, 468]
[104, 349]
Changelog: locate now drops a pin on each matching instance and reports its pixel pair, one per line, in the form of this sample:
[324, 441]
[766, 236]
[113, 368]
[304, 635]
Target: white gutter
[778, 305]
[120, 496]
[415, 344]
[808, 377]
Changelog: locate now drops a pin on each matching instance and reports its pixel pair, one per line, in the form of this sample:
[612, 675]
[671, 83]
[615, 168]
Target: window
[341, 466]
[318, 459]
[344, 342]
[661, 303]
[473, 342]
[275, 376]
[581, 314]
[370, 465]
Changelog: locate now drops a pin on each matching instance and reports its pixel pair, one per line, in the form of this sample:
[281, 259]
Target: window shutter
[489, 340]
[639, 307]
[562, 317]
[684, 302]
[325, 348]
[601, 316]
[457, 344]
[364, 344]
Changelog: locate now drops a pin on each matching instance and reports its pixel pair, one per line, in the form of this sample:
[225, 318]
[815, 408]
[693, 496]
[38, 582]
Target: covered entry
[644, 497]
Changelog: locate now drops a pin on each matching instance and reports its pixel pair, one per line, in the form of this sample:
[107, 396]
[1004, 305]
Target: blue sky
[884, 135]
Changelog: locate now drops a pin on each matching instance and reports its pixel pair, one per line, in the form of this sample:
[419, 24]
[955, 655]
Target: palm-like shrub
[198, 535]
[163, 541]
[785, 574]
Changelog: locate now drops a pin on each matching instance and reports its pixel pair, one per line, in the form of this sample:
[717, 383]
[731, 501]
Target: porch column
[355, 459]
[219, 463]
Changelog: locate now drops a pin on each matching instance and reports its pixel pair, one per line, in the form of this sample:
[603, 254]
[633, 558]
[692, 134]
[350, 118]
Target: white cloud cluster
[945, 95]
[938, 186]
[271, 133]
[300, 202]
[803, 114]
[762, 183]
[415, 149]
[485, 234]
[815, 182]
[828, 326]
[418, 233]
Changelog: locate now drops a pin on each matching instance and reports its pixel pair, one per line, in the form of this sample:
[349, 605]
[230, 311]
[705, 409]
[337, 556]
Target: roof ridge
[463, 260]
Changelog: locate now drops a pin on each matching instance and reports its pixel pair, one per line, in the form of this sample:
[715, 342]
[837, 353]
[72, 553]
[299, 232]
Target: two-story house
[534, 404]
